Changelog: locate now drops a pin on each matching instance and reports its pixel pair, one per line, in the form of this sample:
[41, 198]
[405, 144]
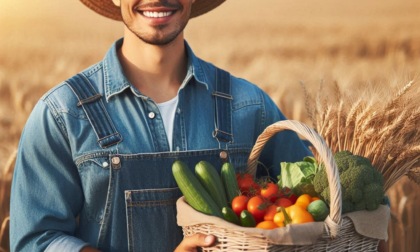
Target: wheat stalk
[384, 129]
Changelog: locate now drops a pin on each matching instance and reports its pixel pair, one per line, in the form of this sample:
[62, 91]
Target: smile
[156, 14]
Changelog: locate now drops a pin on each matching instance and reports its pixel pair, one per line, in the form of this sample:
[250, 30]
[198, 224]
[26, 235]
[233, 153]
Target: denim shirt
[61, 181]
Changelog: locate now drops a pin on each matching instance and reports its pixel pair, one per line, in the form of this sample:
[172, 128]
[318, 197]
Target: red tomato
[239, 203]
[284, 202]
[287, 192]
[270, 191]
[257, 206]
[247, 184]
[271, 211]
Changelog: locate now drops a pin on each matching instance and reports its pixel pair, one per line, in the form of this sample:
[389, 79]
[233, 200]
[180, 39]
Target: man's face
[156, 22]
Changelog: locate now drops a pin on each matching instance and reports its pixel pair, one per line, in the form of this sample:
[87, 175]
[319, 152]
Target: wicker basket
[336, 233]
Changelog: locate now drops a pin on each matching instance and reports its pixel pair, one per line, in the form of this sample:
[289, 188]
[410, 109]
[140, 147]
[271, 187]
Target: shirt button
[115, 160]
[152, 115]
[178, 110]
[105, 164]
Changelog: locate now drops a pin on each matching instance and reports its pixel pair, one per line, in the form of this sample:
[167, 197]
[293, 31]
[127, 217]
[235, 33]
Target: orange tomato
[271, 211]
[303, 217]
[267, 224]
[299, 215]
[304, 200]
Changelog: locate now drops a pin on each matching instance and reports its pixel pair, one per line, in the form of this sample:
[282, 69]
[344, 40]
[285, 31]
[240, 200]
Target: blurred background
[280, 45]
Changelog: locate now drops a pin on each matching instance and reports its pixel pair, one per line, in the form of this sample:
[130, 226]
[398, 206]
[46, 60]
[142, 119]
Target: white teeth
[155, 14]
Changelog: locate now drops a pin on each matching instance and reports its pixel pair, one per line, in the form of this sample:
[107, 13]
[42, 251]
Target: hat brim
[108, 9]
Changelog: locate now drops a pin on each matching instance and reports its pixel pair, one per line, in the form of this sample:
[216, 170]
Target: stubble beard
[159, 38]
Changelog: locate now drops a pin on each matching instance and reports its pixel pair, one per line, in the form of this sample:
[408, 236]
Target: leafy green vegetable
[299, 176]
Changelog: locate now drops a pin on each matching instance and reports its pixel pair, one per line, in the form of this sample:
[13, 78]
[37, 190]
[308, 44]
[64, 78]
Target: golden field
[369, 47]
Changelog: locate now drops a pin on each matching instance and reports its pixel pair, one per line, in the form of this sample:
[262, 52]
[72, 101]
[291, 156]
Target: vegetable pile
[300, 195]
[243, 200]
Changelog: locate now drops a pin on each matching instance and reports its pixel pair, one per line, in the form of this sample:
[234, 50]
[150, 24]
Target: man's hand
[190, 243]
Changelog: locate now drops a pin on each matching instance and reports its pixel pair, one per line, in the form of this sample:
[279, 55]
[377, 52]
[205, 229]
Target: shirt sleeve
[66, 243]
[46, 193]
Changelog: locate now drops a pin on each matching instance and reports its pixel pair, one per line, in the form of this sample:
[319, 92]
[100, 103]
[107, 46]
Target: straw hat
[108, 9]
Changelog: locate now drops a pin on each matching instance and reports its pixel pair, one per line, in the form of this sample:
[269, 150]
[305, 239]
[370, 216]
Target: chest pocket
[94, 172]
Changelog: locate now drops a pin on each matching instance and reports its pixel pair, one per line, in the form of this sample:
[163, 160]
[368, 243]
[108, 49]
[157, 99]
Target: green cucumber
[230, 215]
[228, 175]
[211, 181]
[247, 220]
[195, 194]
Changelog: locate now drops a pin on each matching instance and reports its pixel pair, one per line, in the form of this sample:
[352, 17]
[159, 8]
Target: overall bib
[140, 210]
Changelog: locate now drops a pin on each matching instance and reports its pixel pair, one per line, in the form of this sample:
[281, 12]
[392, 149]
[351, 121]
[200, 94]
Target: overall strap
[223, 107]
[91, 102]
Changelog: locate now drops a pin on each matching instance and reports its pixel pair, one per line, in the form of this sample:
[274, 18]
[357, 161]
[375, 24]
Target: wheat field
[370, 47]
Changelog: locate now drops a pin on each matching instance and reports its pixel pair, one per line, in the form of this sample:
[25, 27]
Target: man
[94, 165]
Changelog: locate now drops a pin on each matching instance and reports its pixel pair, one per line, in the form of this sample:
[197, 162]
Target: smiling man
[93, 170]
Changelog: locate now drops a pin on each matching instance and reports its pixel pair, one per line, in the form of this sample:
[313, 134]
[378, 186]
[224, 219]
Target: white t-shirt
[167, 110]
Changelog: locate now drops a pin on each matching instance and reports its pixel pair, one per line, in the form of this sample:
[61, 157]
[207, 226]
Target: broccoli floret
[361, 183]
[361, 205]
[325, 194]
[342, 160]
[320, 180]
[373, 196]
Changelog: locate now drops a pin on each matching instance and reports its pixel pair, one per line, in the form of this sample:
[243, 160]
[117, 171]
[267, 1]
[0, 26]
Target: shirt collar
[116, 82]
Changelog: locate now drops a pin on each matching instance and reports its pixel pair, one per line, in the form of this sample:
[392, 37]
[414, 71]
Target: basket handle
[334, 219]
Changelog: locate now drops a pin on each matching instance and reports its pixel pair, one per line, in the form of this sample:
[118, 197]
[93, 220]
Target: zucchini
[195, 194]
[230, 215]
[229, 181]
[210, 179]
[247, 220]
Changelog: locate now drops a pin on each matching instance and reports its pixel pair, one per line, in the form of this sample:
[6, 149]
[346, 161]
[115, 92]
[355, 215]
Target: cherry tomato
[239, 203]
[257, 206]
[284, 202]
[247, 184]
[287, 192]
[304, 200]
[271, 211]
[270, 191]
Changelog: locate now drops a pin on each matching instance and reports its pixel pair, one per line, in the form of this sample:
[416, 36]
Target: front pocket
[151, 219]
[94, 175]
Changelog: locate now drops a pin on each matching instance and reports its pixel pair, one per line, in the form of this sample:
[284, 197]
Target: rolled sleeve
[66, 243]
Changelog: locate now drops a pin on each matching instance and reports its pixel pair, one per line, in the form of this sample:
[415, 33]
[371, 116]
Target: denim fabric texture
[69, 190]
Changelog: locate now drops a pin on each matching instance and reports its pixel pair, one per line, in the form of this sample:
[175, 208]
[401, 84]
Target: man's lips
[156, 14]
[157, 10]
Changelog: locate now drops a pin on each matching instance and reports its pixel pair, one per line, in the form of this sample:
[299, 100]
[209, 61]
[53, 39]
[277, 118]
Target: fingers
[190, 243]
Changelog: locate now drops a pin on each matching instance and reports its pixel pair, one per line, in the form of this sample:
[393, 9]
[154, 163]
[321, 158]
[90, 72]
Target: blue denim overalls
[138, 185]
